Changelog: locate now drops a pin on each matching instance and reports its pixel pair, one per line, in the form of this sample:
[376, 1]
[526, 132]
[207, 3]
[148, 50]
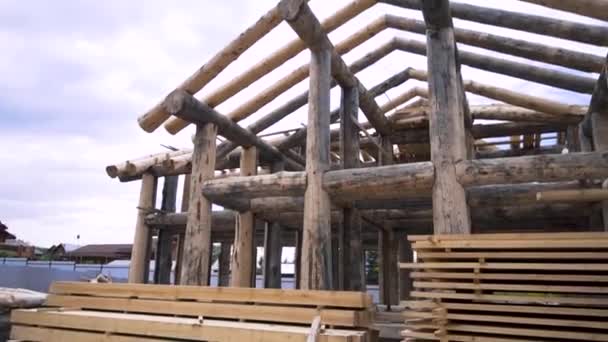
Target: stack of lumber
[133, 312]
[509, 287]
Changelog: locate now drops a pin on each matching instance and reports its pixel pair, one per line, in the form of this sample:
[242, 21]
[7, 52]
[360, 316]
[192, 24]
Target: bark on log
[555, 149]
[243, 253]
[197, 244]
[514, 113]
[511, 46]
[577, 195]
[519, 70]
[597, 9]
[301, 19]
[157, 115]
[141, 241]
[272, 255]
[224, 264]
[584, 33]
[273, 61]
[447, 120]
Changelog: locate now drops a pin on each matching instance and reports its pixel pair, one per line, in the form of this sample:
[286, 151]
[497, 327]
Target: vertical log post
[406, 255]
[387, 251]
[351, 249]
[182, 236]
[224, 265]
[298, 259]
[316, 268]
[197, 244]
[447, 120]
[272, 247]
[141, 241]
[164, 246]
[243, 253]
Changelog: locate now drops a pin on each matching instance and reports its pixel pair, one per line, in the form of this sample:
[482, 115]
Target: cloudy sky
[75, 75]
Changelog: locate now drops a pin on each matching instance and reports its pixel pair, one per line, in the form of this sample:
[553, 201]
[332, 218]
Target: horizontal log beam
[597, 9]
[501, 66]
[544, 168]
[584, 33]
[573, 195]
[507, 45]
[183, 105]
[514, 113]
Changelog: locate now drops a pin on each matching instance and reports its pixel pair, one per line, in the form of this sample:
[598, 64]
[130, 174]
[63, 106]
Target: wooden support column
[182, 236]
[224, 264]
[387, 247]
[243, 253]
[298, 259]
[595, 125]
[272, 247]
[164, 246]
[405, 255]
[350, 257]
[141, 241]
[197, 244]
[447, 120]
[316, 267]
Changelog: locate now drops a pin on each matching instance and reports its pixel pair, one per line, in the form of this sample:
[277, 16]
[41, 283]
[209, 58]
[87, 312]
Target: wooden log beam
[514, 113]
[273, 61]
[224, 264]
[597, 9]
[555, 149]
[350, 260]
[184, 105]
[512, 97]
[316, 263]
[553, 78]
[584, 33]
[157, 115]
[141, 241]
[273, 249]
[575, 195]
[243, 255]
[164, 246]
[507, 45]
[545, 168]
[301, 19]
[195, 263]
[447, 120]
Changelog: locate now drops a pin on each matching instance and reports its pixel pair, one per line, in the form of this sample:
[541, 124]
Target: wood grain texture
[141, 242]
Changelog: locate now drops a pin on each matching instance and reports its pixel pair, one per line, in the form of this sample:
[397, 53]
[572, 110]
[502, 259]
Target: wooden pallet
[509, 287]
[129, 312]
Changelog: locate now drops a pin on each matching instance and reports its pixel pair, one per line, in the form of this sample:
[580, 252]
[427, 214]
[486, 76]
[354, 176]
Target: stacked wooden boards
[132, 312]
[509, 287]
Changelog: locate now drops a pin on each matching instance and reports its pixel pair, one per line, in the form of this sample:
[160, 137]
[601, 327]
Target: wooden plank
[543, 333]
[511, 287]
[176, 328]
[243, 255]
[28, 333]
[515, 244]
[447, 131]
[509, 276]
[463, 338]
[141, 242]
[506, 266]
[504, 308]
[583, 301]
[511, 236]
[569, 323]
[197, 243]
[316, 265]
[269, 313]
[513, 255]
[229, 294]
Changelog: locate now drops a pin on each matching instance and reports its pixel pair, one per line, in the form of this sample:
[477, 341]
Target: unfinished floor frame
[331, 192]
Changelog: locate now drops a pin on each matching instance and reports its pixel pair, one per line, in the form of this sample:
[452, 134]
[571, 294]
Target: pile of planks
[132, 312]
[509, 287]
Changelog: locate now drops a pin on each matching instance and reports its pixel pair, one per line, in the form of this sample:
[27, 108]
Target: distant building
[61, 251]
[101, 253]
[4, 234]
